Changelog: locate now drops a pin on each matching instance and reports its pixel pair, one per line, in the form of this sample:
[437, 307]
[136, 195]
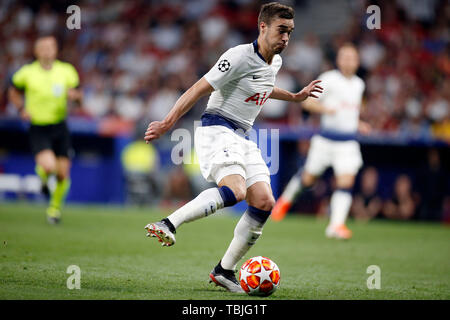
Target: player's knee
[48, 166]
[236, 184]
[239, 192]
[62, 175]
[308, 180]
[265, 202]
[47, 162]
[63, 169]
[345, 182]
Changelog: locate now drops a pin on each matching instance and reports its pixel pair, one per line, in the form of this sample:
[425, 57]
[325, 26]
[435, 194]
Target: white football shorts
[343, 156]
[222, 152]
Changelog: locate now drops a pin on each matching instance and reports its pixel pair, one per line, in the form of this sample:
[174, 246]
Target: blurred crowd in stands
[135, 58]
[384, 194]
[426, 198]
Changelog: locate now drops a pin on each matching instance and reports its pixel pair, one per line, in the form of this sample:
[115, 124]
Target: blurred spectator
[317, 199]
[167, 36]
[129, 106]
[140, 162]
[177, 190]
[446, 210]
[420, 10]
[191, 167]
[141, 168]
[371, 52]
[46, 21]
[403, 203]
[366, 203]
[433, 186]
[437, 108]
[305, 56]
[160, 104]
[98, 101]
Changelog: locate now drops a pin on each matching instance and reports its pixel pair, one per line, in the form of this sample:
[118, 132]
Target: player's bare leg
[230, 191]
[45, 167]
[260, 201]
[340, 204]
[249, 228]
[237, 184]
[298, 183]
[58, 195]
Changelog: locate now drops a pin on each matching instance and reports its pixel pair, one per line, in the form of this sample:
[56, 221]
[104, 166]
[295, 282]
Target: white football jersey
[343, 95]
[243, 82]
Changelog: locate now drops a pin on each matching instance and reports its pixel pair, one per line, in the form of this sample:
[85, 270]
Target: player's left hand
[309, 91]
[364, 128]
[25, 115]
[74, 94]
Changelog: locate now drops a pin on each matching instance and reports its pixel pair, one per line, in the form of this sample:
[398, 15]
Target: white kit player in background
[239, 83]
[335, 145]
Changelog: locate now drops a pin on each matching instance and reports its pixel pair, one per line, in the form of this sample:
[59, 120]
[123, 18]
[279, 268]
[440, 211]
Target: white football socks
[206, 203]
[247, 231]
[340, 206]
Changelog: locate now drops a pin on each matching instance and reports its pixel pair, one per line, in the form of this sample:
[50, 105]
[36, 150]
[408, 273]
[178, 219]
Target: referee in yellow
[47, 84]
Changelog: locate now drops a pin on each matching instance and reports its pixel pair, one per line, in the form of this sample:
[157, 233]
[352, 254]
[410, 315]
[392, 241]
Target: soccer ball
[259, 276]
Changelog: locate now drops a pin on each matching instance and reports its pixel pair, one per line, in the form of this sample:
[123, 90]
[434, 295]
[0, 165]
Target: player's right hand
[25, 115]
[154, 130]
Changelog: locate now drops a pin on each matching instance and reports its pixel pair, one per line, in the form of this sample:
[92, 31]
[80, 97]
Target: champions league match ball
[259, 276]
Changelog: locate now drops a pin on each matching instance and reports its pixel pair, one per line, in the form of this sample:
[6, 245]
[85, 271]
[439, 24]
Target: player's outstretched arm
[309, 91]
[157, 128]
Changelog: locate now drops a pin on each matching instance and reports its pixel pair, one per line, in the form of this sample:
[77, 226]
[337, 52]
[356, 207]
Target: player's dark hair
[45, 35]
[273, 10]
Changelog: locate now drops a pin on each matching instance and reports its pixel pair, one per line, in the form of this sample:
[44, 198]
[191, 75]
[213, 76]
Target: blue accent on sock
[259, 215]
[229, 199]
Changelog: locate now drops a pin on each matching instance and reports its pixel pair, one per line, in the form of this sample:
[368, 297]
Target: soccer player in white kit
[335, 145]
[239, 83]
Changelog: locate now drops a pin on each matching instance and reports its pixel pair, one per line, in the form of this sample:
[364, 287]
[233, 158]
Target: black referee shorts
[55, 137]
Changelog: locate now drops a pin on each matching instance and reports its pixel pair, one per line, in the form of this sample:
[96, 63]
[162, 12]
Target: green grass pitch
[117, 261]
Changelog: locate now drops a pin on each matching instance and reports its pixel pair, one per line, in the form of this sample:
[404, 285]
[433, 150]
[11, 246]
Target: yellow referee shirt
[46, 90]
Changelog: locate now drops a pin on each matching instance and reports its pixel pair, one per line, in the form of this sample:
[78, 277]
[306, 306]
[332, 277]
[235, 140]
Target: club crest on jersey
[224, 65]
[259, 99]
